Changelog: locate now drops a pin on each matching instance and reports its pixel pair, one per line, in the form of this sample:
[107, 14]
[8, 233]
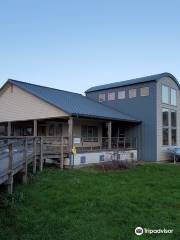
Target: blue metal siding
[143, 108]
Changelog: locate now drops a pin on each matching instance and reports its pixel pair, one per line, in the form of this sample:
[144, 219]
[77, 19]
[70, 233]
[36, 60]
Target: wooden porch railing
[16, 153]
[99, 144]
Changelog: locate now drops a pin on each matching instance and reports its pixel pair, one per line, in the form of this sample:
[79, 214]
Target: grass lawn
[84, 204]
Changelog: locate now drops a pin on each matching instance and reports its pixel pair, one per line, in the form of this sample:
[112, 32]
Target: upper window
[121, 95]
[132, 93]
[111, 96]
[102, 97]
[173, 97]
[165, 94]
[144, 91]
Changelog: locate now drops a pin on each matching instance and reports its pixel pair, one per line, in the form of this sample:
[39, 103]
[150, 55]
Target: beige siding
[162, 150]
[16, 104]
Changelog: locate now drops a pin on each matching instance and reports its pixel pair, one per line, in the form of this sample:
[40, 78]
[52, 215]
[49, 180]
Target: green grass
[84, 204]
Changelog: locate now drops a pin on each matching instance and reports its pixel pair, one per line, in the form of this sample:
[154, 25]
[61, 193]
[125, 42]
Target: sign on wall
[77, 140]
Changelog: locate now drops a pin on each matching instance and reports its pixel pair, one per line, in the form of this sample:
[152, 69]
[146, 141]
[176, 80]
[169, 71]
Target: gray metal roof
[72, 103]
[133, 81]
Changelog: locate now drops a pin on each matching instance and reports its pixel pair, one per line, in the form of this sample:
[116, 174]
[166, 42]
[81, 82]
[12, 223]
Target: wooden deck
[17, 153]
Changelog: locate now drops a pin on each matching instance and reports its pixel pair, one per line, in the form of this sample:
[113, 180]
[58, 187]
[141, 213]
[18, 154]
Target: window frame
[173, 127]
[144, 94]
[95, 133]
[124, 96]
[100, 98]
[162, 99]
[173, 89]
[110, 94]
[165, 127]
[130, 92]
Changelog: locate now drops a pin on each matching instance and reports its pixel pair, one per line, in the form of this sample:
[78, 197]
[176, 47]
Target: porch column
[109, 124]
[9, 129]
[70, 132]
[35, 128]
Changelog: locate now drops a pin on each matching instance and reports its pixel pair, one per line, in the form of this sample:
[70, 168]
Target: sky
[76, 44]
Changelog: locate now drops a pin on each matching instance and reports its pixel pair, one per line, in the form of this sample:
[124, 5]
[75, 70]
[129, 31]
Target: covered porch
[86, 135]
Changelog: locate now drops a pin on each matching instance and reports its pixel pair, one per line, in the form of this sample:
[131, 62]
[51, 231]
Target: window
[165, 136]
[165, 128]
[132, 93]
[3, 130]
[102, 97]
[101, 158]
[173, 118]
[144, 91]
[83, 159]
[121, 95]
[165, 94]
[173, 97]
[111, 96]
[89, 133]
[165, 117]
[51, 130]
[28, 131]
[173, 137]
[173, 128]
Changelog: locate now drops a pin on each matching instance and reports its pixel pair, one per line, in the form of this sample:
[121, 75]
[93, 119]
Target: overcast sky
[76, 44]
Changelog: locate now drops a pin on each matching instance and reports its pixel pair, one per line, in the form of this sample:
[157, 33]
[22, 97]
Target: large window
[165, 128]
[173, 97]
[102, 97]
[165, 94]
[89, 133]
[173, 128]
[132, 93]
[111, 96]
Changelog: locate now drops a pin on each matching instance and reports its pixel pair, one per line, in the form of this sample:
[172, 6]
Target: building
[154, 101]
[138, 116]
[31, 110]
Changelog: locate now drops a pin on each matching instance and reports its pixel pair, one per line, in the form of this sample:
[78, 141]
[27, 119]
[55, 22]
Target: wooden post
[35, 128]
[25, 162]
[35, 159]
[10, 168]
[70, 133]
[9, 129]
[62, 154]
[41, 154]
[109, 135]
[70, 136]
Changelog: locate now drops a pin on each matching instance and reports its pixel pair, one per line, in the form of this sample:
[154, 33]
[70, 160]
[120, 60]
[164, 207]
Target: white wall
[162, 150]
[94, 157]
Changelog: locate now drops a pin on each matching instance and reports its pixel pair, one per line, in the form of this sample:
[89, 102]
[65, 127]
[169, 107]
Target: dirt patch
[115, 165]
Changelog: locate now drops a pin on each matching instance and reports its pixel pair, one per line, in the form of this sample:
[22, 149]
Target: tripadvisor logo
[139, 231]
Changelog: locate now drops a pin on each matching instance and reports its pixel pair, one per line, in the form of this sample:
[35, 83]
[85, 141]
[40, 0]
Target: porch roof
[72, 103]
